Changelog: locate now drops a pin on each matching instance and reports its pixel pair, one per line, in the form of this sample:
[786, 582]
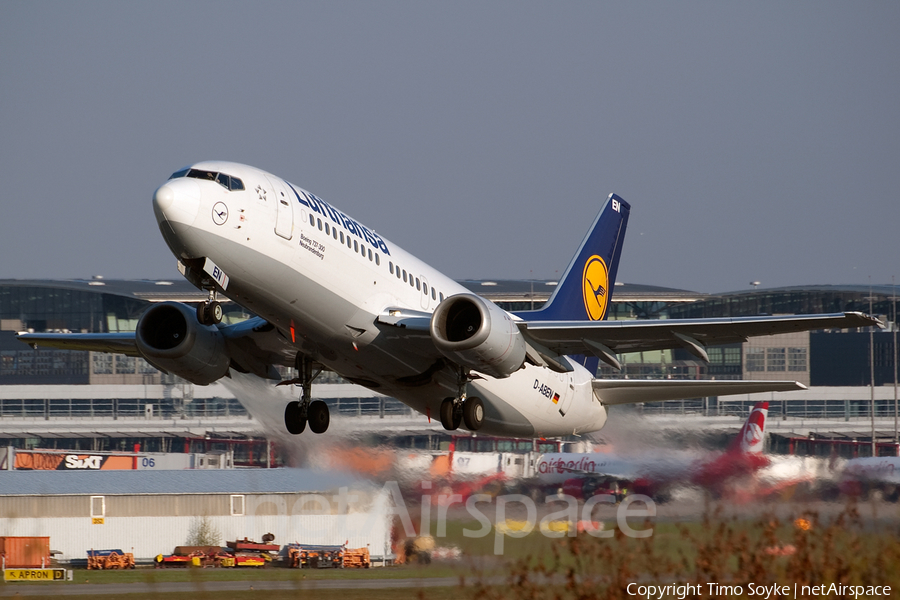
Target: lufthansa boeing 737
[331, 293]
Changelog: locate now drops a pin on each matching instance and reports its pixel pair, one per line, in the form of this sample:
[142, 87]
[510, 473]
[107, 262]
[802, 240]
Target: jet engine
[170, 338]
[476, 333]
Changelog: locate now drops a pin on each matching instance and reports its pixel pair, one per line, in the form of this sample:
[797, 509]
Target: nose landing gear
[298, 413]
[210, 312]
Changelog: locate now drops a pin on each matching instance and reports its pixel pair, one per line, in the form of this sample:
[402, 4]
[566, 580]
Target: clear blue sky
[754, 141]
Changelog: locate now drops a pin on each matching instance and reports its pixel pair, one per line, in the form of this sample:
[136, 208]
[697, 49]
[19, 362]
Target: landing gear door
[284, 217]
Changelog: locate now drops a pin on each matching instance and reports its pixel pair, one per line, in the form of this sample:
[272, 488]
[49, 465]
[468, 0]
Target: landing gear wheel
[450, 417]
[318, 416]
[214, 312]
[294, 420]
[473, 413]
[210, 313]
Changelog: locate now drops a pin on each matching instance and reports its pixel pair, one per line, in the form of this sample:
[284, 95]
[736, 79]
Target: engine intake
[170, 338]
[478, 334]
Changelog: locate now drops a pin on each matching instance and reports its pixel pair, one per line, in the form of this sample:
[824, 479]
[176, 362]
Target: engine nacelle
[478, 334]
[170, 338]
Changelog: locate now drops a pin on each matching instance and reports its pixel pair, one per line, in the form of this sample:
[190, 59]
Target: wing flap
[629, 391]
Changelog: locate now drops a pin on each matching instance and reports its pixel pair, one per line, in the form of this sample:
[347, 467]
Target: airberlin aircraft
[657, 472]
[331, 293]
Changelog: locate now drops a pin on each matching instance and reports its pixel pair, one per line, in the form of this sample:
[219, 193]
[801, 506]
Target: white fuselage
[323, 279]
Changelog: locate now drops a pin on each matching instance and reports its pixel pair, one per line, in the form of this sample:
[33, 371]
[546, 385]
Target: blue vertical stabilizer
[586, 288]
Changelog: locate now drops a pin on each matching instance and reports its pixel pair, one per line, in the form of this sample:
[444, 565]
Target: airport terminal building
[41, 386]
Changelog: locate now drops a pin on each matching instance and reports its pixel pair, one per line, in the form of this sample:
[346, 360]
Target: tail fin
[750, 438]
[586, 287]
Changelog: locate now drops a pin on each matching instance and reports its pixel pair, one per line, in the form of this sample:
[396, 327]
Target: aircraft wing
[113, 343]
[254, 346]
[416, 322]
[628, 391]
[600, 337]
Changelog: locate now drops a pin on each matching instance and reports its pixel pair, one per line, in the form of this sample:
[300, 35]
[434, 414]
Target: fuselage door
[284, 216]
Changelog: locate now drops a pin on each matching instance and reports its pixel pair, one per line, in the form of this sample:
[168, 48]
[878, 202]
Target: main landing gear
[210, 312]
[298, 413]
[462, 409]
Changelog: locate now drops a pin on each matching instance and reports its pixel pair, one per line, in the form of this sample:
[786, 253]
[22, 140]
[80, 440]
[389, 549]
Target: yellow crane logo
[595, 285]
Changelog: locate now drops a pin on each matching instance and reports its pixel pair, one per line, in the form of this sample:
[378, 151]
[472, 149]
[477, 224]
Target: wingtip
[868, 320]
[22, 337]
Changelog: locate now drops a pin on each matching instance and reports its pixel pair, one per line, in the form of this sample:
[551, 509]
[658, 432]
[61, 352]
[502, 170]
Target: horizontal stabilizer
[628, 391]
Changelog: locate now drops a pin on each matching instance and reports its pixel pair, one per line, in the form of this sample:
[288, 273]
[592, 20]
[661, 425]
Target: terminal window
[797, 359]
[775, 360]
[756, 359]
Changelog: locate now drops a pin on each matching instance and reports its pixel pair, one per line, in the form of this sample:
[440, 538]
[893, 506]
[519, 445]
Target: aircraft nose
[177, 201]
[163, 198]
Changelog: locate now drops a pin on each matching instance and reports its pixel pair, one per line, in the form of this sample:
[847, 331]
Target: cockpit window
[226, 181]
[201, 174]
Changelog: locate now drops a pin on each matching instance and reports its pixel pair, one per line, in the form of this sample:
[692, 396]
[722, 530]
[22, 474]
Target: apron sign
[34, 575]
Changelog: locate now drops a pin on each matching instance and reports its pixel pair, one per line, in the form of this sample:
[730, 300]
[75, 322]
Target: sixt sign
[74, 461]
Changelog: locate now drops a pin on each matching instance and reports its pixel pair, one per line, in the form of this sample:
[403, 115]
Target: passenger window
[334, 232]
[319, 223]
[327, 229]
[411, 282]
[370, 254]
[442, 296]
[418, 284]
[312, 220]
[432, 294]
[404, 275]
[236, 184]
[391, 267]
[342, 237]
[355, 246]
[424, 288]
[377, 259]
[398, 272]
[348, 242]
